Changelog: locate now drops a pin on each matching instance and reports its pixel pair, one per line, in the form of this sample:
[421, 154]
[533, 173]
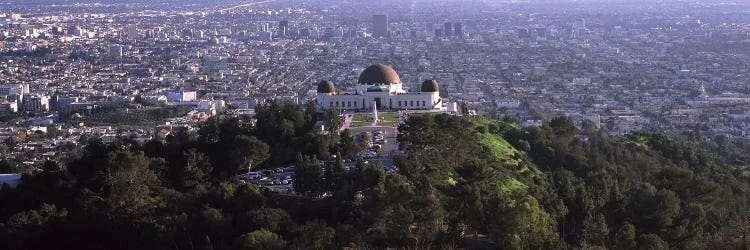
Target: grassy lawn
[359, 124]
[388, 124]
[392, 116]
[361, 118]
[388, 119]
[499, 148]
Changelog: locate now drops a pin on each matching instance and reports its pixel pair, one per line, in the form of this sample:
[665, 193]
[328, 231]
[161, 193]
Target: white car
[252, 176]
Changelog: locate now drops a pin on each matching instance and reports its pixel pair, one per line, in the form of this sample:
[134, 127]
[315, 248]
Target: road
[389, 146]
[245, 5]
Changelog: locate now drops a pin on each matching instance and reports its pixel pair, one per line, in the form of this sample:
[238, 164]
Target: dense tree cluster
[473, 183]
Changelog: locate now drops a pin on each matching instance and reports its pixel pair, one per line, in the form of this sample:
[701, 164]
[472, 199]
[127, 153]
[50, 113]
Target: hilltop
[464, 182]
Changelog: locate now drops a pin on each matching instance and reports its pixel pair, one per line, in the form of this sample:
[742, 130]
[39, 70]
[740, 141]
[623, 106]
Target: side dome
[326, 86]
[430, 86]
[378, 74]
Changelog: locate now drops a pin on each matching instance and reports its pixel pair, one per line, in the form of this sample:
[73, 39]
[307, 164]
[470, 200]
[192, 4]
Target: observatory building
[379, 85]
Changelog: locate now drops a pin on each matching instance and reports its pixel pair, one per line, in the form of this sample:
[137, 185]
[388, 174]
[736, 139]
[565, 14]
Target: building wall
[420, 100]
[8, 107]
[36, 103]
[14, 89]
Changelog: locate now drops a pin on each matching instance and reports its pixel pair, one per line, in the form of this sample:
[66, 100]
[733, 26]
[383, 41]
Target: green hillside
[467, 183]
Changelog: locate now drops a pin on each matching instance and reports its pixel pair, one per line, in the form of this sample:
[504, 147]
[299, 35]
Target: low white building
[181, 96]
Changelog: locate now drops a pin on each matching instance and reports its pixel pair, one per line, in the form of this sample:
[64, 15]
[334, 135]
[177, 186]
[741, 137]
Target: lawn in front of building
[389, 119]
[362, 117]
[354, 124]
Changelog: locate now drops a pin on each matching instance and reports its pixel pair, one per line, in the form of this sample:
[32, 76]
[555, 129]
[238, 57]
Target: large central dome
[379, 74]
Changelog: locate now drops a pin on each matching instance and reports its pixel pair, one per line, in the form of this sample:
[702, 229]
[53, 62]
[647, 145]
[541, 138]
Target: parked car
[251, 176]
[289, 168]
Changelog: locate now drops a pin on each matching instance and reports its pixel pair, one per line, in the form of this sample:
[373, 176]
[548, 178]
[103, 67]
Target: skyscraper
[458, 29]
[380, 25]
[448, 30]
[283, 28]
[115, 52]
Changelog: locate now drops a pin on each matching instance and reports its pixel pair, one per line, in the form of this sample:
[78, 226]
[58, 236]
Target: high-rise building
[380, 26]
[305, 33]
[337, 33]
[458, 30]
[36, 103]
[8, 107]
[131, 31]
[448, 29]
[265, 36]
[115, 51]
[283, 26]
[14, 89]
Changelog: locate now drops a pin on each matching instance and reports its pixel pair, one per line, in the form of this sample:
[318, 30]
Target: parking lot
[390, 144]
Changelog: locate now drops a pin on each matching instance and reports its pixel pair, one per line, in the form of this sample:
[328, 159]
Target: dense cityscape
[345, 83]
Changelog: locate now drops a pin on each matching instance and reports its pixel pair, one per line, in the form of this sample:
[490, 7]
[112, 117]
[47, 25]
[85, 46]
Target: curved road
[245, 5]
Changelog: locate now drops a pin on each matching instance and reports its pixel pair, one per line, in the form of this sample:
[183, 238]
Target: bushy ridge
[463, 183]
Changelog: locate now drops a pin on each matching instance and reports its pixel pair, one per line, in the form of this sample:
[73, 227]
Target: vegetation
[389, 119]
[146, 117]
[464, 183]
[362, 118]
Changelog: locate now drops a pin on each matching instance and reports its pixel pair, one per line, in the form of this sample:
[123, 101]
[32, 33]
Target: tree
[336, 175]
[652, 242]
[20, 228]
[625, 237]
[311, 111]
[364, 141]
[653, 210]
[595, 230]
[130, 183]
[308, 176]
[333, 121]
[563, 127]
[347, 147]
[272, 219]
[314, 234]
[247, 150]
[52, 131]
[260, 240]
[8, 167]
[50, 166]
[194, 170]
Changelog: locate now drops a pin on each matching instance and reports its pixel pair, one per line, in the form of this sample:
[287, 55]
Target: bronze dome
[379, 74]
[430, 86]
[326, 86]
